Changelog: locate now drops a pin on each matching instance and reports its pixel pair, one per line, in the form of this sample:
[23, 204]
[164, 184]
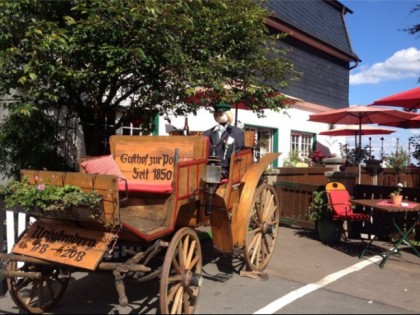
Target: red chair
[339, 199]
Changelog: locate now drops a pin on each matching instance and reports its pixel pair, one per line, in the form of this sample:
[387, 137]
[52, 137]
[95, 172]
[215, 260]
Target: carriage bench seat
[145, 164]
[144, 187]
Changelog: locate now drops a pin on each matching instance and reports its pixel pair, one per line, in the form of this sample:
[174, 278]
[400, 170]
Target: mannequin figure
[224, 137]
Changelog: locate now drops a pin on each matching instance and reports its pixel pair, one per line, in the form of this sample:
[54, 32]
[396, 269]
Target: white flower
[230, 140]
[398, 191]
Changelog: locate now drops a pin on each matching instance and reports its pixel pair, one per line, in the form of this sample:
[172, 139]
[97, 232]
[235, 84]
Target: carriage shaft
[23, 274]
[13, 257]
[122, 266]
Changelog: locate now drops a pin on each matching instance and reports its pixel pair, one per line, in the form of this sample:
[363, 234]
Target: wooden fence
[295, 186]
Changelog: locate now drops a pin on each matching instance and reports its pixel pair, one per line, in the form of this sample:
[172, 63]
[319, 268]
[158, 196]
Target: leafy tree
[398, 159]
[415, 28]
[415, 140]
[29, 142]
[145, 58]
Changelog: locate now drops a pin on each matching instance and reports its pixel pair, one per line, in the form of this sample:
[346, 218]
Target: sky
[390, 58]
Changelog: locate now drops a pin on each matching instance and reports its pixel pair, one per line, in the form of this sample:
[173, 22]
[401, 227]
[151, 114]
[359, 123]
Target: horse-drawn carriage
[156, 192]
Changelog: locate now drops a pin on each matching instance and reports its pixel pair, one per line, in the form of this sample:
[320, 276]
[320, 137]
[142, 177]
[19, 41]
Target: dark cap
[222, 107]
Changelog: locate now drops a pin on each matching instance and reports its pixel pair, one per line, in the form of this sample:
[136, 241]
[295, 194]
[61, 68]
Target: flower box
[52, 201]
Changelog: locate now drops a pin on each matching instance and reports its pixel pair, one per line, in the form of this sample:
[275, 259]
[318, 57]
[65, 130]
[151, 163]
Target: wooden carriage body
[155, 194]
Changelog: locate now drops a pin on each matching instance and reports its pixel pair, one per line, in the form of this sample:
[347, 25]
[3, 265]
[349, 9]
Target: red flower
[316, 156]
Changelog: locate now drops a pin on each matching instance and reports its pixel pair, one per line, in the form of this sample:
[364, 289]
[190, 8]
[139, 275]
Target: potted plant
[316, 157]
[396, 196]
[328, 230]
[50, 200]
[293, 159]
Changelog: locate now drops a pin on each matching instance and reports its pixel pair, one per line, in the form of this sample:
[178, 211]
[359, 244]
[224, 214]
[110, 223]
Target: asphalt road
[304, 277]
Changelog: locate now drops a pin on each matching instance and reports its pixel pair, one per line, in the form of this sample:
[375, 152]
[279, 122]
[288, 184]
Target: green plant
[19, 132]
[354, 155]
[398, 159]
[319, 208]
[292, 159]
[47, 197]
[316, 156]
[398, 191]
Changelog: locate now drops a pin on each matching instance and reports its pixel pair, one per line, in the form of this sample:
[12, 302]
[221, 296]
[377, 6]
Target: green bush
[319, 208]
[398, 159]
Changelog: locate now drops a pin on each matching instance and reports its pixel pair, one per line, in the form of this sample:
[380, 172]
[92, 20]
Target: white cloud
[403, 64]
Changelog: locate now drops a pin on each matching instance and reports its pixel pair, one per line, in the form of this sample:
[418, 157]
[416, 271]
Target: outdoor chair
[339, 200]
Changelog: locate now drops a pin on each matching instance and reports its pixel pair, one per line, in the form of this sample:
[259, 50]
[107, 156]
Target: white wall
[295, 119]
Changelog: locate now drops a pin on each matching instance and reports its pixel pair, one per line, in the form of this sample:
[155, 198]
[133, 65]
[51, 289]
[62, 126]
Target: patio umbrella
[360, 115]
[409, 99]
[407, 124]
[353, 130]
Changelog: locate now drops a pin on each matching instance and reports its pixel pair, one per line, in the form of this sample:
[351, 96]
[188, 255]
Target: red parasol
[409, 99]
[353, 130]
[362, 115]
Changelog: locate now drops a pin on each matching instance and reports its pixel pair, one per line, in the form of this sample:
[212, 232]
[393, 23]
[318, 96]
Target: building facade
[319, 46]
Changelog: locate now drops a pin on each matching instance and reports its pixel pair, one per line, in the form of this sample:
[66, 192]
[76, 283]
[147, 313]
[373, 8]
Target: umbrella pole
[236, 115]
[355, 140]
[360, 141]
[359, 158]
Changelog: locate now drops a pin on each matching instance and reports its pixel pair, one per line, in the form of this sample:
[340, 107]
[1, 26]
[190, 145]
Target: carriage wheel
[263, 227]
[37, 296]
[181, 274]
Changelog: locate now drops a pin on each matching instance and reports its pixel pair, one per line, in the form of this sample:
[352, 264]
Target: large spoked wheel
[263, 225]
[37, 296]
[181, 274]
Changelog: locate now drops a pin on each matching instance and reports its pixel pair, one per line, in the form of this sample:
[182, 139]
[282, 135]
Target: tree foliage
[413, 30]
[145, 58]
[398, 159]
[415, 140]
[29, 142]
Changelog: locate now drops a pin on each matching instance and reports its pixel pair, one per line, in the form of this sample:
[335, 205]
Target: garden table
[410, 222]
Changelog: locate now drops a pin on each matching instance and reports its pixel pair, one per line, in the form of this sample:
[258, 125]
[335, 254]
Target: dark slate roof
[321, 19]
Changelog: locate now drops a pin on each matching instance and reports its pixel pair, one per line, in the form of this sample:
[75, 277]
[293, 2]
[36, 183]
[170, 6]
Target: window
[302, 142]
[263, 140]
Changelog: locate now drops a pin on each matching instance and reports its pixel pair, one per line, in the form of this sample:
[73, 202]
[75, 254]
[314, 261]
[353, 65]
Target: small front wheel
[181, 276]
[263, 225]
[37, 296]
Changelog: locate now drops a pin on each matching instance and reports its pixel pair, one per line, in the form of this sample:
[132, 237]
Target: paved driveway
[304, 276]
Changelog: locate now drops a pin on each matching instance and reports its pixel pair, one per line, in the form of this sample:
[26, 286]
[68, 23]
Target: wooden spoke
[190, 254]
[181, 274]
[256, 248]
[263, 226]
